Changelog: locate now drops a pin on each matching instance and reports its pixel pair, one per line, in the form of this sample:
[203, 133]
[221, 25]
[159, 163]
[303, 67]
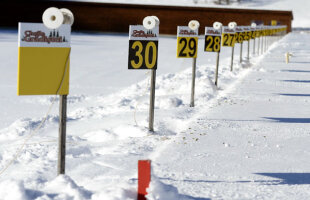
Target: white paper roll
[149, 22]
[52, 18]
[253, 25]
[217, 25]
[193, 24]
[232, 25]
[156, 19]
[68, 16]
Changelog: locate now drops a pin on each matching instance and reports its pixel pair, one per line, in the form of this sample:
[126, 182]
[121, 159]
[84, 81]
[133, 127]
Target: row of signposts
[143, 54]
[44, 55]
[143, 46]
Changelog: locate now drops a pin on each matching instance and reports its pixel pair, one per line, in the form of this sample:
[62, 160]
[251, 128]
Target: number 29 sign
[187, 42]
[143, 47]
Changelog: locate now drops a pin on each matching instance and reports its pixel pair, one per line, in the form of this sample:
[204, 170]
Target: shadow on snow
[289, 120]
[288, 178]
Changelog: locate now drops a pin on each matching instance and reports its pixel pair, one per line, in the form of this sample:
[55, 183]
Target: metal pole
[258, 46]
[192, 104]
[265, 44]
[249, 49]
[62, 134]
[254, 46]
[217, 67]
[241, 52]
[232, 58]
[262, 46]
[152, 100]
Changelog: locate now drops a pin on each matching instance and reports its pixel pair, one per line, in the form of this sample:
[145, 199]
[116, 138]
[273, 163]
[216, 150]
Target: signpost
[253, 29]
[213, 37]
[43, 64]
[229, 39]
[258, 35]
[187, 45]
[247, 37]
[143, 54]
[239, 39]
[217, 26]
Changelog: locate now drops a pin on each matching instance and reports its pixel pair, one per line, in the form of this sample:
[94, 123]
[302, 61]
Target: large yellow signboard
[43, 60]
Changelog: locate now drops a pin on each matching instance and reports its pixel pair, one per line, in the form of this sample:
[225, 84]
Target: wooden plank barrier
[111, 17]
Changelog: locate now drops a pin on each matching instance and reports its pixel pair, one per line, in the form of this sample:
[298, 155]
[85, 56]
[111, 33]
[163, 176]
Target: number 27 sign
[143, 47]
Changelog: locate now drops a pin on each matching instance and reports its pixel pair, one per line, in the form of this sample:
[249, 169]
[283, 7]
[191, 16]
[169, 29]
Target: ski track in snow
[105, 140]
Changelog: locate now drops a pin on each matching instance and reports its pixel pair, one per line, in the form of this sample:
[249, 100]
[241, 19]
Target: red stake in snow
[144, 178]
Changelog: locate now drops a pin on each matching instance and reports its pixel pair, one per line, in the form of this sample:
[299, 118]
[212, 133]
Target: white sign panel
[37, 35]
[138, 32]
[212, 31]
[185, 31]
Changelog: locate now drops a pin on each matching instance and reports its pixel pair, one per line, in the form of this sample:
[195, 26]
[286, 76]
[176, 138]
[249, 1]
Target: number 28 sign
[212, 39]
[187, 42]
[143, 47]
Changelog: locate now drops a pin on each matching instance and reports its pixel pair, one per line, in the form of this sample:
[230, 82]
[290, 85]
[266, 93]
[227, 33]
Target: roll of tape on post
[193, 24]
[52, 18]
[68, 16]
[232, 25]
[156, 19]
[217, 25]
[149, 22]
[253, 25]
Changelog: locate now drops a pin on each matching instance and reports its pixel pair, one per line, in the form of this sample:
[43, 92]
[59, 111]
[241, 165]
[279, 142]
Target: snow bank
[161, 191]
[63, 187]
[12, 190]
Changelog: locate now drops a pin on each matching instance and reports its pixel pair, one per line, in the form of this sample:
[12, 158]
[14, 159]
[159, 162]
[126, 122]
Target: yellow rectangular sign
[187, 42]
[229, 37]
[43, 60]
[274, 22]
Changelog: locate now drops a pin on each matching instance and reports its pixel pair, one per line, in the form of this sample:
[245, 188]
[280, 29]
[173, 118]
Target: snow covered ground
[246, 140]
[300, 8]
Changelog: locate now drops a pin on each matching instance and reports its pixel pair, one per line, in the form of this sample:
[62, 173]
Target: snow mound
[12, 190]
[63, 187]
[116, 194]
[161, 191]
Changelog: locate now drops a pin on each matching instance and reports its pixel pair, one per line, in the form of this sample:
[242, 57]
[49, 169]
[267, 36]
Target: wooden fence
[109, 17]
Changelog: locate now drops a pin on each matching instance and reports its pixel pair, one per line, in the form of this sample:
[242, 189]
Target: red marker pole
[144, 178]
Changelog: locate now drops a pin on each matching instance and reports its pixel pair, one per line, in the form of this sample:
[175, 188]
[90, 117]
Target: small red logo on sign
[39, 36]
[141, 33]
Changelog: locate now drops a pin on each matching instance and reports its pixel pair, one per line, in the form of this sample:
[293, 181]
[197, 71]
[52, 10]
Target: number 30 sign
[143, 47]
